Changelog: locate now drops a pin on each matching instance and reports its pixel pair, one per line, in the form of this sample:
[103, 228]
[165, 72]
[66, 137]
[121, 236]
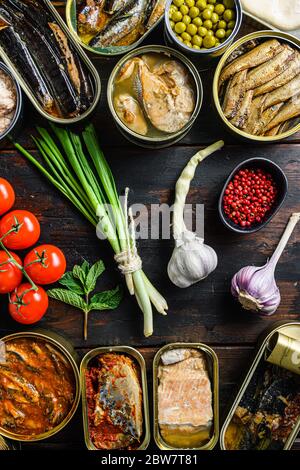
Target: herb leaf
[79, 273]
[96, 270]
[71, 283]
[106, 300]
[68, 297]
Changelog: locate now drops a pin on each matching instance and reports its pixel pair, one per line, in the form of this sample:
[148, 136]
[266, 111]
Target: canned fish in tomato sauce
[115, 399]
[186, 397]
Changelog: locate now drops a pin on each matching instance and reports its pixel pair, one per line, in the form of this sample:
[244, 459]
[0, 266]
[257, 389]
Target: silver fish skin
[123, 23]
[113, 6]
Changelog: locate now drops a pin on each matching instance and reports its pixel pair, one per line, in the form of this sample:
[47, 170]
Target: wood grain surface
[205, 312]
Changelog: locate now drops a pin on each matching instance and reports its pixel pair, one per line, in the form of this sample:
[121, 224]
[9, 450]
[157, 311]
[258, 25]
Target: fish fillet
[184, 395]
[265, 118]
[256, 56]
[254, 114]
[270, 69]
[283, 93]
[290, 110]
[241, 118]
[234, 94]
[282, 79]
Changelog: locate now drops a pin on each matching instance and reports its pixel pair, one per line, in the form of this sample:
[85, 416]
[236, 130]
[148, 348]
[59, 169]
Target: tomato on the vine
[22, 229]
[45, 264]
[10, 274]
[26, 305]
[7, 196]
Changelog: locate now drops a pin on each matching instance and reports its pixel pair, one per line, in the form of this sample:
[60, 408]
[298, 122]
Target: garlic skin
[191, 260]
[256, 289]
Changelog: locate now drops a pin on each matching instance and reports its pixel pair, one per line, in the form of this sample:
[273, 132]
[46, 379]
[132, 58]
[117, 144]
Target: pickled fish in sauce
[114, 400]
[163, 89]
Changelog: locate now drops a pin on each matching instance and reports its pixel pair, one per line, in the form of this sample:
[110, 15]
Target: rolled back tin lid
[284, 351]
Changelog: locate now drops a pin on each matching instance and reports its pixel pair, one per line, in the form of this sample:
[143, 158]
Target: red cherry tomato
[45, 264]
[28, 306]
[7, 196]
[24, 230]
[10, 274]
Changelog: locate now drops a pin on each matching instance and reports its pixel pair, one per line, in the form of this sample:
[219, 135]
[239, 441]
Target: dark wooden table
[205, 312]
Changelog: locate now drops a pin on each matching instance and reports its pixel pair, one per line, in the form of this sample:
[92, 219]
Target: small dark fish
[155, 12]
[129, 19]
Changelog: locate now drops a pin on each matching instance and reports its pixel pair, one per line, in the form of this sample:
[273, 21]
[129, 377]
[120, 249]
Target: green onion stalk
[76, 166]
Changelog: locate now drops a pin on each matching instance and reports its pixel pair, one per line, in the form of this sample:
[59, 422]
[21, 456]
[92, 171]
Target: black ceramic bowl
[282, 186]
[15, 124]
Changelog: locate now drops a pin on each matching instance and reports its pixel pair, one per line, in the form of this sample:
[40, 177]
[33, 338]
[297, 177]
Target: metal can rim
[46, 336]
[192, 70]
[19, 103]
[255, 35]
[215, 373]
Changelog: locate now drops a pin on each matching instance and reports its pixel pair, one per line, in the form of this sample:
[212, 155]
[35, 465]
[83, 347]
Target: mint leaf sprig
[80, 284]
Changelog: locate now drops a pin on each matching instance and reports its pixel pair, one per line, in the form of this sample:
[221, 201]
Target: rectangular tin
[90, 67]
[213, 369]
[71, 18]
[290, 329]
[133, 353]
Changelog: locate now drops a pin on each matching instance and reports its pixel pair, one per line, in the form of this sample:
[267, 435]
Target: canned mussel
[47, 62]
[113, 27]
[185, 397]
[266, 412]
[40, 387]
[115, 399]
[154, 95]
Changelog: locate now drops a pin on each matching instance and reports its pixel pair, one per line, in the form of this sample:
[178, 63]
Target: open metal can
[203, 57]
[259, 36]
[164, 139]
[140, 363]
[265, 414]
[71, 18]
[68, 355]
[94, 76]
[212, 366]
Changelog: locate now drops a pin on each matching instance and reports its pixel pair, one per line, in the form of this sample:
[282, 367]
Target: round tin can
[15, 124]
[67, 350]
[260, 36]
[166, 139]
[203, 56]
[71, 18]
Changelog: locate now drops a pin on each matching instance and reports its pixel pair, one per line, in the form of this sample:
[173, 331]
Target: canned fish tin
[140, 93]
[43, 358]
[86, 75]
[243, 44]
[118, 361]
[202, 56]
[16, 120]
[265, 414]
[71, 18]
[197, 365]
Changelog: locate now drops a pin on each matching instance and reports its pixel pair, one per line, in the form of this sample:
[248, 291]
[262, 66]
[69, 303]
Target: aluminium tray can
[64, 347]
[213, 369]
[96, 82]
[138, 358]
[291, 329]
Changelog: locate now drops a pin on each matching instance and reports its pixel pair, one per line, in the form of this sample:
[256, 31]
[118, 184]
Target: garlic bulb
[255, 287]
[191, 260]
